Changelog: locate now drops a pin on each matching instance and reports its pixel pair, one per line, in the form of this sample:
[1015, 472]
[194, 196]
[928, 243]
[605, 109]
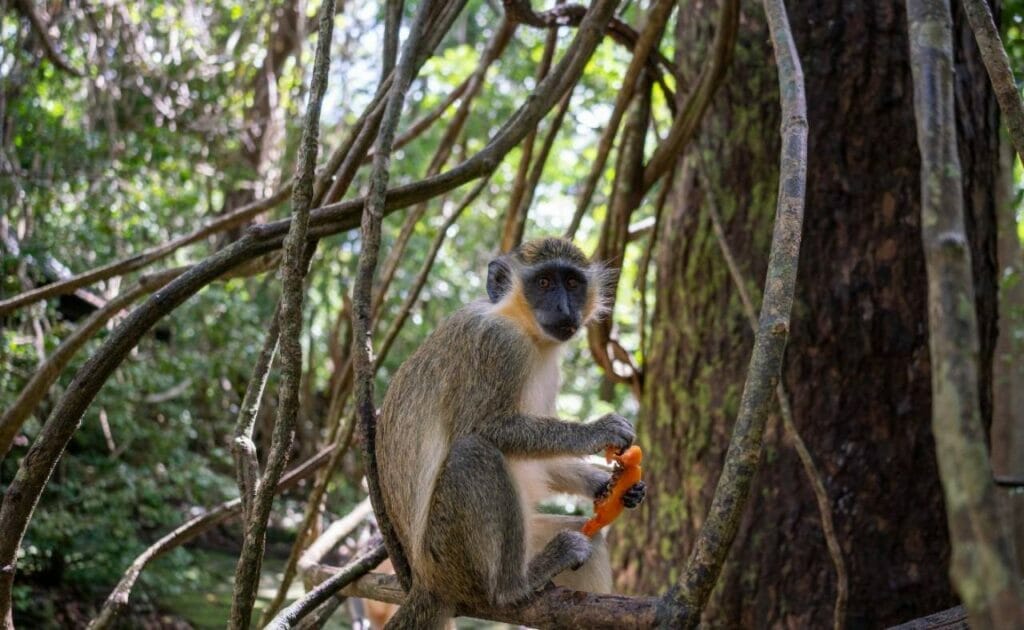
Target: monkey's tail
[422, 610]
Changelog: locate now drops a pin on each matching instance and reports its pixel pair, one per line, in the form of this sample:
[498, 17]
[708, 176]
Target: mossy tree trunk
[857, 364]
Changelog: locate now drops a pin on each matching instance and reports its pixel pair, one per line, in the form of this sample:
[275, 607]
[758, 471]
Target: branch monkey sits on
[468, 443]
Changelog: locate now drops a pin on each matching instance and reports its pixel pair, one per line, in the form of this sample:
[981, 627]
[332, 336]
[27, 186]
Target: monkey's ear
[499, 279]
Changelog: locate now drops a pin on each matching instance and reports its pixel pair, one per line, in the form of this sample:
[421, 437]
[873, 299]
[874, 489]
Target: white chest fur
[540, 394]
[539, 398]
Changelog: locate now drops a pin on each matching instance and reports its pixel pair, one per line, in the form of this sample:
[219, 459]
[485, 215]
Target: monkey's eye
[544, 283]
[572, 283]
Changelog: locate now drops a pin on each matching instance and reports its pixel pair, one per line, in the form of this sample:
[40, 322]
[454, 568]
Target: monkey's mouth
[562, 331]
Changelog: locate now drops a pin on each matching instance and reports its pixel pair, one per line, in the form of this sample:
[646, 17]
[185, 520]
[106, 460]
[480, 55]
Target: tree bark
[858, 365]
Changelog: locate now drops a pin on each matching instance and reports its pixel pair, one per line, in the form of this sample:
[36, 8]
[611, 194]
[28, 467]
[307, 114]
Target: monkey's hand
[633, 497]
[612, 430]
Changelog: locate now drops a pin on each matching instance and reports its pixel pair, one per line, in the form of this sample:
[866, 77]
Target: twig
[611, 245]
[47, 373]
[308, 602]
[789, 426]
[517, 227]
[290, 321]
[373, 213]
[49, 47]
[685, 601]
[187, 531]
[145, 258]
[421, 279]
[689, 117]
[496, 46]
[983, 568]
[509, 238]
[243, 448]
[993, 53]
[651, 35]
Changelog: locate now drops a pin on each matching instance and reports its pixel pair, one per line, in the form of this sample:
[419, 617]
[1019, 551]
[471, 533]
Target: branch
[35, 389]
[308, 603]
[686, 600]
[983, 568]
[553, 607]
[656, 21]
[499, 41]
[293, 268]
[421, 279]
[622, 33]
[117, 601]
[789, 426]
[993, 53]
[49, 47]
[509, 238]
[244, 450]
[144, 258]
[685, 124]
[362, 323]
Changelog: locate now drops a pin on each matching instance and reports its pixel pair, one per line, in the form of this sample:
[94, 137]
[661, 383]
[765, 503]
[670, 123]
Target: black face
[557, 292]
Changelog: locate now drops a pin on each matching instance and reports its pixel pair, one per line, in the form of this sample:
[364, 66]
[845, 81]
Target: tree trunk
[857, 367]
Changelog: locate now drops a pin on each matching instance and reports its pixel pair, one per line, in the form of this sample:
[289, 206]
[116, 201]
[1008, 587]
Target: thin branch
[373, 213]
[145, 258]
[685, 124]
[509, 238]
[652, 33]
[55, 56]
[621, 33]
[499, 41]
[309, 602]
[517, 226]
[35, 389]
[421, 279]
[293, 268]
[686, 600]
[117, 601]
[789, 427]
[993, 53]
[627, 195]
[243, 448]
[983, 569]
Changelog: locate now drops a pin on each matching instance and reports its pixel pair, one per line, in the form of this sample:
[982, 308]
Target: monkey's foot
[633, 497]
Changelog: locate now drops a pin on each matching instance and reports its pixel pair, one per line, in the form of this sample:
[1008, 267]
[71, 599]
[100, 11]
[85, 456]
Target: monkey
[468, 443]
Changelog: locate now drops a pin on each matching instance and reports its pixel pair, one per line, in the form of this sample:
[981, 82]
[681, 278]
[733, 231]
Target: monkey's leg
[475, 535]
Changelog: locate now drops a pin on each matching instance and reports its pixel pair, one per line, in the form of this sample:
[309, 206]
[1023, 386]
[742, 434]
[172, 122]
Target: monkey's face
[557, 294]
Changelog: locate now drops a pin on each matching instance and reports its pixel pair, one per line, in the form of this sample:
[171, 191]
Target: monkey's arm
[527, 435]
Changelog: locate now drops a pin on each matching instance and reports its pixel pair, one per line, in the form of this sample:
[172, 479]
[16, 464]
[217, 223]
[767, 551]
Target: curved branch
[308, 602]
[983, 568]
[293, 266]
[144, 258]
[653, 30]
[685, 601]
[821, 498]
